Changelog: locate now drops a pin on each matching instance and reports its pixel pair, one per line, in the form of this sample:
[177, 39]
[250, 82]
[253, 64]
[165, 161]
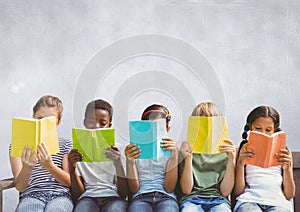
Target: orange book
[265, 147]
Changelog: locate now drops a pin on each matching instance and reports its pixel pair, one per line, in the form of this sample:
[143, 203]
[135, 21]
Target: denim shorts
[46, 196]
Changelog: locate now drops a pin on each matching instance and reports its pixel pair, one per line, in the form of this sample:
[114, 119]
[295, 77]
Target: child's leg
[191, 204]
[86, 204]
[30, 204]
[249, 206]
[167, 204]
[59, 204]
[115, 204]
[141, 204]
[219, 205]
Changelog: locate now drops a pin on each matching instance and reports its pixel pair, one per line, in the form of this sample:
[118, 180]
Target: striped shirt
[41, 180]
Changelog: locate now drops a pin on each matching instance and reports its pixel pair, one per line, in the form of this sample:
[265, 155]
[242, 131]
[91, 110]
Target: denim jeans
[45, 202]
[103, 204]
[154, 201]
[204, 204]
[251, 206]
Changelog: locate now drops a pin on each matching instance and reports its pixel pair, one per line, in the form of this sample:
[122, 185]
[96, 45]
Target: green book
[91, 143]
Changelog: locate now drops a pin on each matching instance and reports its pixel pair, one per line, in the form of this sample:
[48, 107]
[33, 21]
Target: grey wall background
[239, 54]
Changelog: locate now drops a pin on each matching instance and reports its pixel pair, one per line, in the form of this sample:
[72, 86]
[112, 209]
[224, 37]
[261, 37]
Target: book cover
[32, 132]
[265, 148]
[205, 134]
[148, 135]
[92, 143]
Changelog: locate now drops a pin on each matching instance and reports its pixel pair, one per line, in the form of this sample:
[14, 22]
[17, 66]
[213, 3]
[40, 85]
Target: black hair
[153, 111]
[99, 104]
[260, 111]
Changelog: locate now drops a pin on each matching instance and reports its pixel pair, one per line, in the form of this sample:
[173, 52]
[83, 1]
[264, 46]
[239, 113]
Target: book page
[265, 147]
[148, 135]
[91, 143]
[48, 134]
[144, 134]
[205, 134]
[24, 132]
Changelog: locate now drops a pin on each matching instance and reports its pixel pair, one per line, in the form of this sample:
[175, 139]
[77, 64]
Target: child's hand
[27, 161]
[73, 157]
[244, 154]
[113, 154]
[186, 149]
[43, 156]
[229, 149]
[169, 144]
[284, 157]
[132, 151]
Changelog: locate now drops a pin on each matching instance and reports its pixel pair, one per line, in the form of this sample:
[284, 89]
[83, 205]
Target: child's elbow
[186, 190]
[169, 189]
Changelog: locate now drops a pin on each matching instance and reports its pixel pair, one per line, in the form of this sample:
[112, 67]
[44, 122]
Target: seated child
[206, 180]
[152, 182]
[94, 182]
[263, 189]
[43, 179]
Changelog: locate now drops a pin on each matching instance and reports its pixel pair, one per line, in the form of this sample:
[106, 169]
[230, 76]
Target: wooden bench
[8, 183]
[296, 170]
[5, 184]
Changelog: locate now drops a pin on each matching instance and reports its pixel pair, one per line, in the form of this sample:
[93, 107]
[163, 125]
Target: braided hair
[260, 111]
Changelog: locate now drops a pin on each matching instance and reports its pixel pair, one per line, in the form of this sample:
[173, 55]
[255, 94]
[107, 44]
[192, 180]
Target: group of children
[184, 181]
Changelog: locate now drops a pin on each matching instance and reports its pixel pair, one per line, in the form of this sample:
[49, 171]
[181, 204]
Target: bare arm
[228, 180]
[172, 165]
[22, 168]
[77, 186]
[132, 152]
[285, 156]
[61, 175]
[240, 183]
[122, 184]
[186, 179]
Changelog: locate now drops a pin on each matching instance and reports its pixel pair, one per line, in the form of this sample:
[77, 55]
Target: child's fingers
[45, 149]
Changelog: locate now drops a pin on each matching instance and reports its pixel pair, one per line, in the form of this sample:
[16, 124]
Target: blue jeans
[103, 204]
[45, 201]
[154, 201]
[205, 204]
[252, 206]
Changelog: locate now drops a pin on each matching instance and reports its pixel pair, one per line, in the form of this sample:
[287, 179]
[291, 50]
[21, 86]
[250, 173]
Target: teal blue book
[91, 143]
[148, 135]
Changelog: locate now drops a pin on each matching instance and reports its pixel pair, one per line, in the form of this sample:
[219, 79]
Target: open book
[148, 135]
[265, 147]
[91, 143]
[32, 132]
[205, 134]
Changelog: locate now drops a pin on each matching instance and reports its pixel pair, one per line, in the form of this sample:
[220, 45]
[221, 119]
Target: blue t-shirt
[151, 175]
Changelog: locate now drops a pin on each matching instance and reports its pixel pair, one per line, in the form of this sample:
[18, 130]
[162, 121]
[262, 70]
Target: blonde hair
[49, 101]
[206, 109]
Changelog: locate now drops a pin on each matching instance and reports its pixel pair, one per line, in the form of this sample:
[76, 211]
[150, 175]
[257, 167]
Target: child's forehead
[97, 112]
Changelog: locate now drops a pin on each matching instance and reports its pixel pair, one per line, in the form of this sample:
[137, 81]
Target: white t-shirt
[264, 186]
[98, 178]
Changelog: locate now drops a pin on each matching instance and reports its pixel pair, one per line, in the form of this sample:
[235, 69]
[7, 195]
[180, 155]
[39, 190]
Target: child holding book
[206, 180]
[152, 182]
[43, 179]
[263, 189]
[94, 182]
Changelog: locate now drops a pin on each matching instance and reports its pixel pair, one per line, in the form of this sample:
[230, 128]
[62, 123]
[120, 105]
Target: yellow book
[205, 134]
[32, 132]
